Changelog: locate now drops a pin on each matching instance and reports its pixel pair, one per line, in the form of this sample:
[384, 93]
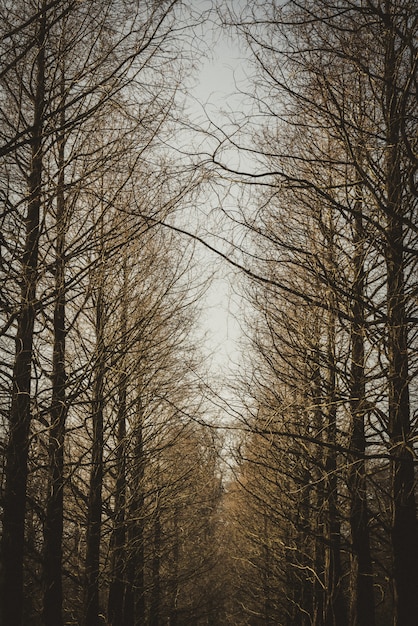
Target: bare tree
[69, 73]
[340, 88]
[20, 409]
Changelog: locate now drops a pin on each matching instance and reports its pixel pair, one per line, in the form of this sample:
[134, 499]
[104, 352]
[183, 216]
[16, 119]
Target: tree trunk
[20, 413]
[53, 529]
[404, 523]
[266, 571]
[318, 556]
[404, 532]
[134, 607]
[335, 608]
[117, 585]
[362, 611]
[94, 518]
[176, 562]
[155, 571]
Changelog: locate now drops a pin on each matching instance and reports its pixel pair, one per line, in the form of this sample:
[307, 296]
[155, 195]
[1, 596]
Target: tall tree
[397, 209]
[20, 410]
[344, 78]
[361, 592]
[67, 71]
[94, 510]
[53, 529]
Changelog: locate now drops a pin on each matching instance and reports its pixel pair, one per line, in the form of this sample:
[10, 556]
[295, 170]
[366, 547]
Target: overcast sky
[215, 91]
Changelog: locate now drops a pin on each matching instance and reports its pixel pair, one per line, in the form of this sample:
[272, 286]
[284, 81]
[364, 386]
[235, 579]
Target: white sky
[216, 91]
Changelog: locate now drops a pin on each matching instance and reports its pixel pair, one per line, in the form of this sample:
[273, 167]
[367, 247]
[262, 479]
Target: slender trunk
[266, 571]
[16, 472]
[53, 528]
[134, 607]
[176, 561]
[404, 523]
[335, 608]
[318, 557]
[305, 582]
[155, 571]
[94, 518]
[404, 533]
[318, 563]
[117, 585]
[362, 611]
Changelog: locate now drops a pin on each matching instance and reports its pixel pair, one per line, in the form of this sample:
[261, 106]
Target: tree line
[115, 508]
[324, 500]
[109, 479]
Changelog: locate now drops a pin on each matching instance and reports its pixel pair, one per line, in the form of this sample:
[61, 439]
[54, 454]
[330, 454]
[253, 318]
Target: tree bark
[16, 472]
[117, 585]
[318, 556]
[335, 608]
[134, 606]
[404, 531]
[266, 571]
[362, 611]
[54, 520]
[94, 519]
[176, 562]
[155, 571]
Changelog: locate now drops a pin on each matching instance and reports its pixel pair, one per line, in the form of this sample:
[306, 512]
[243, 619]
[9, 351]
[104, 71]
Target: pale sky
[217, 92]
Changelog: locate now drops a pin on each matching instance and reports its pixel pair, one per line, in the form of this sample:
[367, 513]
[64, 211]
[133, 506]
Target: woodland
[137, 486]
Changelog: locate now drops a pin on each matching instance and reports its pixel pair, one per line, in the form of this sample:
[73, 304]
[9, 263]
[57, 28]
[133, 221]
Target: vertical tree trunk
[176, 561]
[134, 606]
[335, 607]
[53, 528]
[94, 517]
[404, 522]
[362, 611]
[318, 557]
[266, 571]
[318, 563]
[20, 413]
[117, 585]
[155, 571]
[304, 541]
